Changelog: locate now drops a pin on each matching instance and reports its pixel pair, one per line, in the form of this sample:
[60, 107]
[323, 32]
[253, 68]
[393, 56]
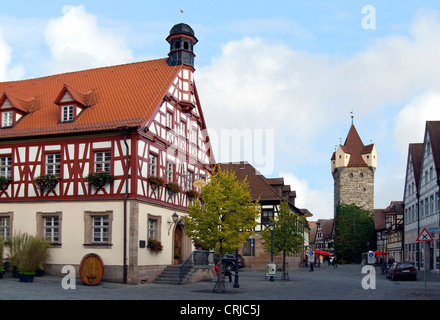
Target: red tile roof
[123, 95]
[259, 186]
[416, 152]
[433, 129]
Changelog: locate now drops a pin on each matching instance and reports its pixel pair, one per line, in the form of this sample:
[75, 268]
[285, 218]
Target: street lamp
[271, 228]
[175, 217]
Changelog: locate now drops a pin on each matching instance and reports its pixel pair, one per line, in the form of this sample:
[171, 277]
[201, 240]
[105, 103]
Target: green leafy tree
[354, 232]
[288, 234]
[226, 216]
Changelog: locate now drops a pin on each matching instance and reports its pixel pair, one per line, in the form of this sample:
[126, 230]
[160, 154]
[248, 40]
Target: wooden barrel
[91, 269]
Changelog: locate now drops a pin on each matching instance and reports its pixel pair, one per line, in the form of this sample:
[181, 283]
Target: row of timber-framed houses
[389, 230]
[421, 200]
[399, 225]
[269, 192]
[321, 237]
[136, 121]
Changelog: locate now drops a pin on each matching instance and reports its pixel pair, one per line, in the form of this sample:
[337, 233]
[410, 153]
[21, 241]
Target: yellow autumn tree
[224, 217]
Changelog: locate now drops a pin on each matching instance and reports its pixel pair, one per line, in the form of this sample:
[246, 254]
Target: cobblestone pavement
[325, 283]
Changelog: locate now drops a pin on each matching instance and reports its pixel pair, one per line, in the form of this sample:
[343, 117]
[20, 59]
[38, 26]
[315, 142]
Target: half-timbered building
[82, 156]
[269, 192]
[421, 199]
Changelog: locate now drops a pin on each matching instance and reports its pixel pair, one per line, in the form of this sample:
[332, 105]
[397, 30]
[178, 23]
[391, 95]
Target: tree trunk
[219, 285]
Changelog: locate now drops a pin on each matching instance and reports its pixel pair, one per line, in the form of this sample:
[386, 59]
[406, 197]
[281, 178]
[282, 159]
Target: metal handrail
[199, 259]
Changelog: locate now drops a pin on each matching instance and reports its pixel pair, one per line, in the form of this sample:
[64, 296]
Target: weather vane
[352, 116]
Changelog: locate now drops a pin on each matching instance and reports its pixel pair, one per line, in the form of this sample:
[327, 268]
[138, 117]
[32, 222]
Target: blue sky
[282, 75]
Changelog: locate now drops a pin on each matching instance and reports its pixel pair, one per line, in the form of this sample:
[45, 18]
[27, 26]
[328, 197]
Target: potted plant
[47, 181]
[154, 245]
[198, 245]
[155, 181]
[4, 182]
[99, 178]
[176, 259]
[172, 187]
[2, 246]
[28, 253]
[16, 244]
[192, 194]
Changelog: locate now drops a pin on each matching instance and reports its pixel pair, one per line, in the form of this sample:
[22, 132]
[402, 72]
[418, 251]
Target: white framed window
[67, 113]
[152, 229]
[169, 120]
[5, 228]
[182, 177]
[6, 166]
[194, 136]
[53, 164]
[7, 119]
[152, 164]
[102, 161]
[183, 129]
[100, 229]
[154, 223]
[51, 228]
[170, 172]
[189, 180]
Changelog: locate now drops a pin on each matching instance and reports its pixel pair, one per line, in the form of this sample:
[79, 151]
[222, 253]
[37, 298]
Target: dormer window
[12, 109]
[72, 102]
[7, 119]
[67, 113]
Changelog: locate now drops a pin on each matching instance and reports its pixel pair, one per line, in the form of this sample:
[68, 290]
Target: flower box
[192, 194]
[47, 181]
[100, 178]
[156, 181]
[173, 187]
[4, 182]
[155, 246]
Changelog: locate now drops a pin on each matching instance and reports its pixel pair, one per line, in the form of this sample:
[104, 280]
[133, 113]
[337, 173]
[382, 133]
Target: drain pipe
[127, 161]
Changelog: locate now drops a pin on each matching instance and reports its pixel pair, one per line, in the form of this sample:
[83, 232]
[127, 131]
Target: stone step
[171, 275]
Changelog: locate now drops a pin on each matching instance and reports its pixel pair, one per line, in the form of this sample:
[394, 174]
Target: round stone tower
[353, 165]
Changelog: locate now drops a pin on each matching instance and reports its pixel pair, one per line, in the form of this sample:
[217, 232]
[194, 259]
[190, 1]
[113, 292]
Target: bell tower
[182, 41]
[353, 165]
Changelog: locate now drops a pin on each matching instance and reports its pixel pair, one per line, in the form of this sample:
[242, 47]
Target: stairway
[171, 275]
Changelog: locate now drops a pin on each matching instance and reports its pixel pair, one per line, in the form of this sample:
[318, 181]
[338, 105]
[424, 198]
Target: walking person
[335, 264]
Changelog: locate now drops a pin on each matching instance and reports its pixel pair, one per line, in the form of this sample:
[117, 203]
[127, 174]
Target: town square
[271, 152]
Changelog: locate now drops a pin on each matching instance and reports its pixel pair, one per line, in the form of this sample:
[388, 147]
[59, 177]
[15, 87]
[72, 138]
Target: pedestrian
[306, 260]
[331, 260]
[335, 264]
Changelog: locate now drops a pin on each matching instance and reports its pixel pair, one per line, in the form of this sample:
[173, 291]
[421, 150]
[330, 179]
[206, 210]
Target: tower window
[185, 45]
[177, 45]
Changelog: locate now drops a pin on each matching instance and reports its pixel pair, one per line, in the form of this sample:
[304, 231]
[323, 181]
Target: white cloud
[411, 120]
[318, 202]
[5, 57]
[77, 42]
[259, 83]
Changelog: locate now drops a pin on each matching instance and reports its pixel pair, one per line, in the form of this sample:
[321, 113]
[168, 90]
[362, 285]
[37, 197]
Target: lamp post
[271, 228]
[175, 217]
[236, 285]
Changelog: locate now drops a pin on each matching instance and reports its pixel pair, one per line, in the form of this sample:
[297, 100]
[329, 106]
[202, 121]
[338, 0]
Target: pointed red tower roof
[354, 146]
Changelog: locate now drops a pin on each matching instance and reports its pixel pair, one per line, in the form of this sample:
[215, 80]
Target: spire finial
[352, 116]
